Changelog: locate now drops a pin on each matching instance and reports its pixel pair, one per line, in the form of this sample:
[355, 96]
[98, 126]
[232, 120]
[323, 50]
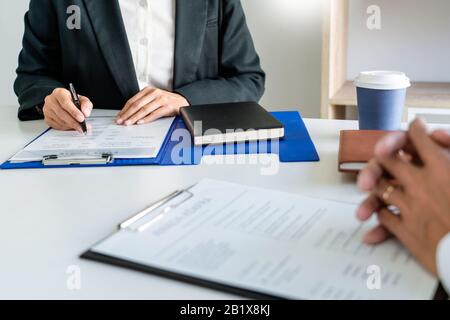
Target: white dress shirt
[150, 27]
[443, 262]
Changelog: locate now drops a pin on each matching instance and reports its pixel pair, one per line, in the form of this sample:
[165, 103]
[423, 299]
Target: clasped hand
[409, 186]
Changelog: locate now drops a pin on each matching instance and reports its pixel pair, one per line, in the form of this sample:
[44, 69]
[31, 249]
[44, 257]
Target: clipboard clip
[54, 160]
[150, 215]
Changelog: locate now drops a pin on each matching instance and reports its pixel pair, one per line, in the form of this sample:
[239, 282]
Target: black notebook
[231, 122]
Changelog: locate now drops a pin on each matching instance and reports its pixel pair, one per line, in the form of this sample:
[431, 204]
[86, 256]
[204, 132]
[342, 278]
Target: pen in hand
[77, 103]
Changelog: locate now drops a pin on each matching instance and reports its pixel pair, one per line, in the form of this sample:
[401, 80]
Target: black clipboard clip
[150, 215]
[54, 160]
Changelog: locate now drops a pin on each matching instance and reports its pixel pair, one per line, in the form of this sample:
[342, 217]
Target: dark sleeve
[241, 77]
[39, 60]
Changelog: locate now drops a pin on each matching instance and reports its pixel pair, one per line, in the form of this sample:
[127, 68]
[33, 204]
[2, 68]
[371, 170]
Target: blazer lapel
[191, 18]
[106, 19]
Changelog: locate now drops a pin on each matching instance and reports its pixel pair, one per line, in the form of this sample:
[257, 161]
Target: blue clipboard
[178, 149]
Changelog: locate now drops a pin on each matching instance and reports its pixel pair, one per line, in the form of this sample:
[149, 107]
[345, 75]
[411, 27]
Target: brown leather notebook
[357, 148]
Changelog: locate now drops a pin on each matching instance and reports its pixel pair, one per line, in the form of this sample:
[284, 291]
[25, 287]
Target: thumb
[442, 137]
[86, 106]
[391, 144]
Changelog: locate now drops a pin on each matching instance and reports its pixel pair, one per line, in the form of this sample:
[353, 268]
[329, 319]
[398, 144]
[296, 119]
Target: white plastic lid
[382, 80]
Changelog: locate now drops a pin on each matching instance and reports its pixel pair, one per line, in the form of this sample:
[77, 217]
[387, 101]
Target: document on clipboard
[105, 140]
[263, 244]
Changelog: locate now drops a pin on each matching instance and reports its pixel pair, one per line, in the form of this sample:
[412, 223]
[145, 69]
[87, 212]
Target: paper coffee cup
[381, 99]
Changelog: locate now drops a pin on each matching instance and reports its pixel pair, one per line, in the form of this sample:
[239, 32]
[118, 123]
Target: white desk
[49, 217]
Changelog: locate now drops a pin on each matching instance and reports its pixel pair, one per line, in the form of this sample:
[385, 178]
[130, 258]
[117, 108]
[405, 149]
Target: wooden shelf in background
[421, 94]
[337, 91]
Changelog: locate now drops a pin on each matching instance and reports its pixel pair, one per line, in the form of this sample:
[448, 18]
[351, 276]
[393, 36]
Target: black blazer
[215, 59]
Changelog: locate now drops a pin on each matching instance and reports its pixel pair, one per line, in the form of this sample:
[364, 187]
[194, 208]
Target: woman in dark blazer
[214, 61]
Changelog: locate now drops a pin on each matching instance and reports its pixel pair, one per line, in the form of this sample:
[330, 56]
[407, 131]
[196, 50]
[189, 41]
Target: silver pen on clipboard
[145, 217]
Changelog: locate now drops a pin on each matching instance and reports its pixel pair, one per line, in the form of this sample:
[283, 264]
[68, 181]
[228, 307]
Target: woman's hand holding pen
[149, 105]
[61, 113]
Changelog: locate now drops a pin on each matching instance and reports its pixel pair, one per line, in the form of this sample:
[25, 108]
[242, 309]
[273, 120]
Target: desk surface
[49, 217]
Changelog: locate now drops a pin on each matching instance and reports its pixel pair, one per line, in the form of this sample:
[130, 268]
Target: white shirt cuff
[443, 262]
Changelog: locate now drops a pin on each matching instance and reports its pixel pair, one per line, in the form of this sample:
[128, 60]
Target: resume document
[275, 243]
[143, 141]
